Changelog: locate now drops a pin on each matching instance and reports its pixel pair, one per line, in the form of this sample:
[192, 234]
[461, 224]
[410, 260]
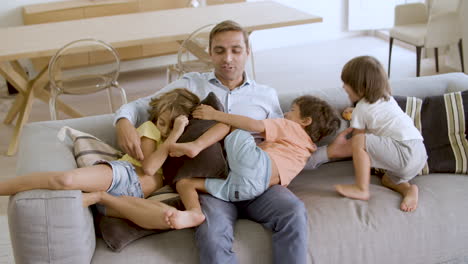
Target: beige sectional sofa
[51, 226]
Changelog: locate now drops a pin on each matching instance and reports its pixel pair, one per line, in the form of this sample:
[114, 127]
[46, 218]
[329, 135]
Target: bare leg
[361, 161]
[409, 192]
[146, 213]
[150, 183]
[89, 179]
[193, 215]
[191, 149]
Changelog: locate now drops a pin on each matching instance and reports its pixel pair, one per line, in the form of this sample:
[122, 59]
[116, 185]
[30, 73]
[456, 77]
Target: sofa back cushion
[442, 122]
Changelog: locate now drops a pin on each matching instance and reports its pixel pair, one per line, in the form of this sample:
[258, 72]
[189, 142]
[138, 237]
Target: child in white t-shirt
[384, 136]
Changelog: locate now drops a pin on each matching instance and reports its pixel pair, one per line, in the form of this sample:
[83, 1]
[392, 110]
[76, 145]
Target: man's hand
[129, 139]
[341, 146]
[204, 112]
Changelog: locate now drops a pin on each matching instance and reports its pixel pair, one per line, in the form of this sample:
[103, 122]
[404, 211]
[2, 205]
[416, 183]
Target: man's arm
[207, 112]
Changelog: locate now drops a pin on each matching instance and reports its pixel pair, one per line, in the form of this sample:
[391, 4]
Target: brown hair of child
[178, 102]
[325, 120]
[367, 78]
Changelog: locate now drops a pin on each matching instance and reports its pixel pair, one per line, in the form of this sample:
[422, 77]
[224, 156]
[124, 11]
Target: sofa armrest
[40, 150]
[415, 13]
[51, 227]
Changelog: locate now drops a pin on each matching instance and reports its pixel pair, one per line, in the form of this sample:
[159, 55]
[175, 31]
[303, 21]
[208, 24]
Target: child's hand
[181, 122]
[347, 113]
[204, 112]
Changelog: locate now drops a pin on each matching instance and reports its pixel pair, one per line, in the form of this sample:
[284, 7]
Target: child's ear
[306, 121]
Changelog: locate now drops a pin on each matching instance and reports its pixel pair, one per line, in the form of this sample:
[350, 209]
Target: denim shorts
[249, 170]
[125, 181]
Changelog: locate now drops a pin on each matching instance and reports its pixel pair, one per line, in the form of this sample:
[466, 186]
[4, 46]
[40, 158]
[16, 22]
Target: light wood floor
[317, 64]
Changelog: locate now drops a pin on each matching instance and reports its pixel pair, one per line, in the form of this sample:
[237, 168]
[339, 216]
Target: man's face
[229, 54]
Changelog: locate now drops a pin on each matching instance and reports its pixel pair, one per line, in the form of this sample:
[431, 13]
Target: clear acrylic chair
[82, 67]
[194, 56]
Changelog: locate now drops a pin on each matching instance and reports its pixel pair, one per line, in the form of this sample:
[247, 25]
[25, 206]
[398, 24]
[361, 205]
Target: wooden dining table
[43, 40]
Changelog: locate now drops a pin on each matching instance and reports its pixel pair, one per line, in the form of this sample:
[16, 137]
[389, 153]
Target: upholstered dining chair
[434, 27]
[67, 74]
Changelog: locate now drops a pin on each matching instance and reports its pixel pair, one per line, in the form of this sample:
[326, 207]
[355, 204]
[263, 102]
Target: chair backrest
[444, 24]
[69, 76]
[193, 54]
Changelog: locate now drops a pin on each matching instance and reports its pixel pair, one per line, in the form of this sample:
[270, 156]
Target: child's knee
[63, 181]
[183, 184]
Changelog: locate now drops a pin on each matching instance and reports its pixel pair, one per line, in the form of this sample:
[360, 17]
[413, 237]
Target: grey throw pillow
[87, 148]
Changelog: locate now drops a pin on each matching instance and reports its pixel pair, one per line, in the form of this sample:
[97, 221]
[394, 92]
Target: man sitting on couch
[277, 209]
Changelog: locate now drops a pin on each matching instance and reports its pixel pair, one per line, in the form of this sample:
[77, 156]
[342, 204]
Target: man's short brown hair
[367, 78]
[229, 25]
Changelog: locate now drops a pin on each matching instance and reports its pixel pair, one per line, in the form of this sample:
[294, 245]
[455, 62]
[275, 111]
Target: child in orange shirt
[288, 144]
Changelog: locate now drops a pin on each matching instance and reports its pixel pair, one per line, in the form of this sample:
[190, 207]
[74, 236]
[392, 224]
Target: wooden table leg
[33, 87]
[15, 109]
[44, 95]
[15, 75]
[22, 119]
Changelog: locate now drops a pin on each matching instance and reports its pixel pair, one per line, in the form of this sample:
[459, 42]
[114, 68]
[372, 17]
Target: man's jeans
[278, 209]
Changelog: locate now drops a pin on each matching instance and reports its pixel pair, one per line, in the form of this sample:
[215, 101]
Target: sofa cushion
[50, 227]
[444, 130]
[441, 120]
[118, 233]
[209, 163]
[87, 148]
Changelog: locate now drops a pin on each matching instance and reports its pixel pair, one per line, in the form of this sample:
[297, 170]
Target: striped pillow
[444, 125]
[87, 148]
[441, 120]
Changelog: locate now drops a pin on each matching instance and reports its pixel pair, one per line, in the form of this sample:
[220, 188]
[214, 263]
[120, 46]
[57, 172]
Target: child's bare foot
[91, 198]
[352, 191]
[188, 149]
[410, 200]
[184, 219]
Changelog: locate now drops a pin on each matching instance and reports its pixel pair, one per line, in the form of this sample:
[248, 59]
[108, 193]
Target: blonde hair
[178, 102]
[229, 25]
[367, 78]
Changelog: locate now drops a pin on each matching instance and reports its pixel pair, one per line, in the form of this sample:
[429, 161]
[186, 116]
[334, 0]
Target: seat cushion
[414, 34]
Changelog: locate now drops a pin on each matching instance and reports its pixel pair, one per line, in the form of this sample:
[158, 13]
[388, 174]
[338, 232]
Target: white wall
[334, 25]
